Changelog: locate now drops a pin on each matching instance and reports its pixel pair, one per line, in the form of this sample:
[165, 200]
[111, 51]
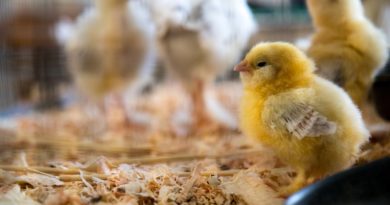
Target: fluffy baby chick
[346, 47]
[198, 39]
[310, 123]
[110, 47]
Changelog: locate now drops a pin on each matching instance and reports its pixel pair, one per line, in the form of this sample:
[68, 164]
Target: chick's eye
[261, 64]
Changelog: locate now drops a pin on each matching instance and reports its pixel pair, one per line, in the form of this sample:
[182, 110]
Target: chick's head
[278, 65]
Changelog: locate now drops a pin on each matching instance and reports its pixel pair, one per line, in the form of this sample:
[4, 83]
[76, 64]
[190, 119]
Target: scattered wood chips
[79, 156]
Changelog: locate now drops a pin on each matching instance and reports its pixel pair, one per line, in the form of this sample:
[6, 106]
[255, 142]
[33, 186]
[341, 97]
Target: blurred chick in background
[110, 47]
[310, 123]
[346, 47]
[199, 39]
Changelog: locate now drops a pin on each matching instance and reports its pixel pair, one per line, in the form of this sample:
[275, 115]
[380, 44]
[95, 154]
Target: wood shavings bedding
[155, 184]
[70, 157]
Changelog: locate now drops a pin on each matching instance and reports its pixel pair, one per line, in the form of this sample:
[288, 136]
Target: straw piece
[38, 168]
[183, 157]
[73, 178]
[131, 149]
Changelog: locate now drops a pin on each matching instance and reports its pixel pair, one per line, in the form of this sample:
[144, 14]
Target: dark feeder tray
[381, 92]
[364, 185]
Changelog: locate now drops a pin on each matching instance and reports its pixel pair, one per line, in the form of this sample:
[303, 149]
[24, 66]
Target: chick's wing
[302, 120]
[293, 113]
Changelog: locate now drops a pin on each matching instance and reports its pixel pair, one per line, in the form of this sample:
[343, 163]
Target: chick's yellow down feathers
[310, 123]
[346, 46]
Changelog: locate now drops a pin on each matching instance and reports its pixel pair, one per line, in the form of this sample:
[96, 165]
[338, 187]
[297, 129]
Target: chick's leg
[94, 112]
[299, 181]
[116, 112]
[199, 109]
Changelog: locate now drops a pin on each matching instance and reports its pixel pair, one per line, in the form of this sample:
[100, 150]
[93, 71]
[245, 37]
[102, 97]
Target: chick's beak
[242, 67]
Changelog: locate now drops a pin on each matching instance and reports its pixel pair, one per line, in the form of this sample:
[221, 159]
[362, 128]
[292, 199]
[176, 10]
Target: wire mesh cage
[33, 64]
[168, 143]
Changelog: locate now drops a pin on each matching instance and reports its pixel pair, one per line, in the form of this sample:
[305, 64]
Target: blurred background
[33, 65]
[66, 67]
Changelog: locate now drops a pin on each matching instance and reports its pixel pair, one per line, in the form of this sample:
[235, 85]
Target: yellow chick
[346, 47]
[310, 123]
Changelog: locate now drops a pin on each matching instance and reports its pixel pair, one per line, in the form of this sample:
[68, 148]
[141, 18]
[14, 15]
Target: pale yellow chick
[310, 123]
[110, 52]
[346, 47]
[110, 47]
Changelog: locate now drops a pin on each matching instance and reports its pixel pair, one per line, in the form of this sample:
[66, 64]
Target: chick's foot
[299, 182]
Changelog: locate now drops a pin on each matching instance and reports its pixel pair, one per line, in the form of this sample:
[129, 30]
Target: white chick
[111, 46]
[199, 39]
